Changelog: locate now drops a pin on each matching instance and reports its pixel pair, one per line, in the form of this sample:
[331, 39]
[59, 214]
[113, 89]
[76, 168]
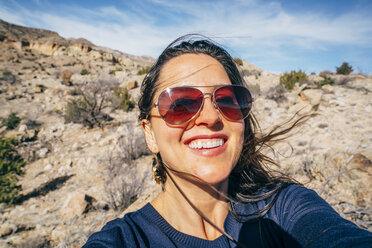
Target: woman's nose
[209, 114]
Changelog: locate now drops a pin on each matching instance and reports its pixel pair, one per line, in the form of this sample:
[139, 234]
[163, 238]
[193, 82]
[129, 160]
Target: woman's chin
[213, 178]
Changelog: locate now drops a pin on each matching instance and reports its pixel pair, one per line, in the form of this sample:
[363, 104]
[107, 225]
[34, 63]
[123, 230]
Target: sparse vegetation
[121, 189]
[238, 61]
[84, 72]
[93, 98]
[2, 36]
[327, 80]
[11, 164]
[143, 70]
[126, 102]
[255, 89]
[344, 69]
[12, 121]
[41, 67]
[288, 80]
[69, 64]
[344, 79]
[276, 93]
[8, 77]
[327, 72]
[113, 72]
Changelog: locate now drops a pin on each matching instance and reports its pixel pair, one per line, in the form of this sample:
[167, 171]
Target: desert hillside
[77, 156]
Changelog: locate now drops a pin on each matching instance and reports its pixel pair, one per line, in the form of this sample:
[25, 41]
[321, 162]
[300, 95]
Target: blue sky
[277, 36]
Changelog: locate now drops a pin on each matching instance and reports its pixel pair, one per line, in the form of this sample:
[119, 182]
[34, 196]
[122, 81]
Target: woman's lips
[207, 145]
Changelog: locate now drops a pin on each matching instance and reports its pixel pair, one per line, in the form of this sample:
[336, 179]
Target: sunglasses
[179, 105]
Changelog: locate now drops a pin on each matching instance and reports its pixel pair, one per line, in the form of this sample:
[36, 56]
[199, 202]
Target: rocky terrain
[78, 177]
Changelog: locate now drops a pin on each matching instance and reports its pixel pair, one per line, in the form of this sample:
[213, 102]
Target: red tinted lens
[178, 105]
[234, 101]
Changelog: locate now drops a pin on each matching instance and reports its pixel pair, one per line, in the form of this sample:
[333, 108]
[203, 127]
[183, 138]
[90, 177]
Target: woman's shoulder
[303, 214]
[122, 232]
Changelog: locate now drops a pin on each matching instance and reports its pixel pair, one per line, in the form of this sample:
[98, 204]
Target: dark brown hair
[251, 179]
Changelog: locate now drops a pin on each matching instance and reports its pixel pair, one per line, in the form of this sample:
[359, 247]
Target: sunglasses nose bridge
[212, 101]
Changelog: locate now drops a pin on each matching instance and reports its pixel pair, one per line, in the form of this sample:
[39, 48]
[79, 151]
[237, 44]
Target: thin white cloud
[262, 27]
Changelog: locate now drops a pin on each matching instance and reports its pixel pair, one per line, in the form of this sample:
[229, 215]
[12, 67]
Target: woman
[217, 191]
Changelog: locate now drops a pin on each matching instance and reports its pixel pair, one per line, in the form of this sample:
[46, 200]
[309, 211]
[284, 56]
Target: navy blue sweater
[298, 218]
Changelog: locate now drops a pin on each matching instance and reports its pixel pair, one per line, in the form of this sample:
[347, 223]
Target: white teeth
[211, 143]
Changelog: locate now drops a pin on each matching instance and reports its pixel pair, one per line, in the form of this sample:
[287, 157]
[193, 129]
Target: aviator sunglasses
[179, 105]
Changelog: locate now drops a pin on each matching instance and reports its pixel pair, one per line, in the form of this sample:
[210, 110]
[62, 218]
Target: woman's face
[179, 145]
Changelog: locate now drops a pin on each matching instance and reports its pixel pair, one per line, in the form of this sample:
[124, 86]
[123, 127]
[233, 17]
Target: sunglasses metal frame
[156, 104]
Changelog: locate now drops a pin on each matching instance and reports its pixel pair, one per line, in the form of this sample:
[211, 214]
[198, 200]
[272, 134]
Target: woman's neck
[179, 213]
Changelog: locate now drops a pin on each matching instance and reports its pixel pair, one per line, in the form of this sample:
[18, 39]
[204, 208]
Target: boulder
[329, 89]
[43, 152]
[39, 88]
[58, 234]
[22, 128]
[75, 205]
[66, 77]
[7, 229]
[313, 96]
[132, 85]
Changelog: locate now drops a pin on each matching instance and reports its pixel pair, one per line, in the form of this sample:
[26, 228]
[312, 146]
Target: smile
[206, 143]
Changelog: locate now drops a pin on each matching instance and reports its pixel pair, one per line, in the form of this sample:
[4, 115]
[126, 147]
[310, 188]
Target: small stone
[43, 152]
[132, 85]
[64, 170]
[75, 147]
[7, 229]
[57, 235]
[31, 134]
[302, 143]
[22, 128]
[48, 167]
[97, 136]
[328, 88]
[66, 77]
[75, 205]
[334, 103]
[69, 162]
[313, 96]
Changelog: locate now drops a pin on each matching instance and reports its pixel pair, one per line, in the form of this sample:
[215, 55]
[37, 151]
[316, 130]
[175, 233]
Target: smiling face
[209, 145]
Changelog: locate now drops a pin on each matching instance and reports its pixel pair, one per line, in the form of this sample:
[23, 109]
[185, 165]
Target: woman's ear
[149, 135]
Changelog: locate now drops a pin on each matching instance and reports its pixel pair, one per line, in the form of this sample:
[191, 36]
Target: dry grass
[343, 180]
[122, 184]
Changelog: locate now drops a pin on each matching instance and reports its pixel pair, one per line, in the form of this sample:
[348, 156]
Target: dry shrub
[39, 241]
[326, 72]
[344, 69]
[343, 180]
[76, 235]
[255, 89]
[276, 93]
[122, 182]
[288, 80]
[343, 80]
[123, 99]
[93, 98]
[143, 70]
[238, 61]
